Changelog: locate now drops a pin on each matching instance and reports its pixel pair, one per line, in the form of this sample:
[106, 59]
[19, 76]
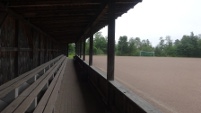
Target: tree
[132, 49]
[71, 49]
[189, 46]
[146, 46]
[100, 43]
[122, 47]
[165, 47]
[169, 47]
[137, 42]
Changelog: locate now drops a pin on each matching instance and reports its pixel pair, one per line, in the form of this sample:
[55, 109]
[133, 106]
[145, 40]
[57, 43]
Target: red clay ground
[173, 85]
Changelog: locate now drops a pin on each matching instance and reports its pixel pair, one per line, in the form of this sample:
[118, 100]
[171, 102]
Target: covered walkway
[76, 95]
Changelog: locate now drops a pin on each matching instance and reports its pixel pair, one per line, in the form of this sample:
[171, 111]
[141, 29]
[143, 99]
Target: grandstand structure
[36, 74]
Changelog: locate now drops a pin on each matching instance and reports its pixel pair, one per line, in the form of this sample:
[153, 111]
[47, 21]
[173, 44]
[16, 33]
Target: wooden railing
[116, 97]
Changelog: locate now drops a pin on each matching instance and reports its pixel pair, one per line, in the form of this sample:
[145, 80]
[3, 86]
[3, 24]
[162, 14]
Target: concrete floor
[75, 95]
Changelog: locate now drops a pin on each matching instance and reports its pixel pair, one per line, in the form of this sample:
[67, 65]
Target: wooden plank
[2, 87]
[28, 101]
[44, 100]
[14, 49]
[23, 80]
[17, 47]
[12, 106]
[9, 11]
[3, 19]
[53, 3]
[47, 75]
[51, 103]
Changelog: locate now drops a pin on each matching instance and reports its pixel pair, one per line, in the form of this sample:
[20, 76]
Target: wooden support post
[111, 41]
[17, 46]
[84, 49]
[75, 48]
[67, 48]
[91, 50]
[80, 49]
[78, 53]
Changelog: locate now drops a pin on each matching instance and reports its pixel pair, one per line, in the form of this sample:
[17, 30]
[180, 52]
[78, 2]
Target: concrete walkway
[75, 95]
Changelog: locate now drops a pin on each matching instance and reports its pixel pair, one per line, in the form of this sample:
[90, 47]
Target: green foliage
[188, 46]
[71, 50]
[100, 44]
[133, 46]
[122, 47]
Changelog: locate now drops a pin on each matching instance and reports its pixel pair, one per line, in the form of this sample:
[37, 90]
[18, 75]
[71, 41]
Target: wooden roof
[67, 20]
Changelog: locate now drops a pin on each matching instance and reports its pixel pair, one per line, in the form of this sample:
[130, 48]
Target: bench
[32, 91]
[38, 70]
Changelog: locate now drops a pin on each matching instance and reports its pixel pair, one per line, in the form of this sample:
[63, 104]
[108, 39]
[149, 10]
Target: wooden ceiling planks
[67, 20]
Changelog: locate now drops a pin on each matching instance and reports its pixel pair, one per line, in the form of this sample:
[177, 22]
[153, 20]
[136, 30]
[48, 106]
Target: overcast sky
[152, 19]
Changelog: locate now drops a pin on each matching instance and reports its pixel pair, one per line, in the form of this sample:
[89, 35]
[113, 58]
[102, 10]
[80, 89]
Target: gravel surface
[173, 85]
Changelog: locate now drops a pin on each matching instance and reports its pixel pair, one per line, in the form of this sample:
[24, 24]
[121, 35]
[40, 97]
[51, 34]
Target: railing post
[111, 41]
[91, 50]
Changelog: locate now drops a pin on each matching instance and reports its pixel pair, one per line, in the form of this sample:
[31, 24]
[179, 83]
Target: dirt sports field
[173, 85]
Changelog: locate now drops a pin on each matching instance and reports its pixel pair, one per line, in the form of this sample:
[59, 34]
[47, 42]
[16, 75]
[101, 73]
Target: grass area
[71, 56]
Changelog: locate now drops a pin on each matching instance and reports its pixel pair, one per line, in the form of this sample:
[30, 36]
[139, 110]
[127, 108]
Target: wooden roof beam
[42, 15]
[9, 11]
[50, 4]
[53, 5]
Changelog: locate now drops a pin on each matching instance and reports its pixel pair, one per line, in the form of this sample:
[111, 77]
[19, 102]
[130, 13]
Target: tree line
[187, 46]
